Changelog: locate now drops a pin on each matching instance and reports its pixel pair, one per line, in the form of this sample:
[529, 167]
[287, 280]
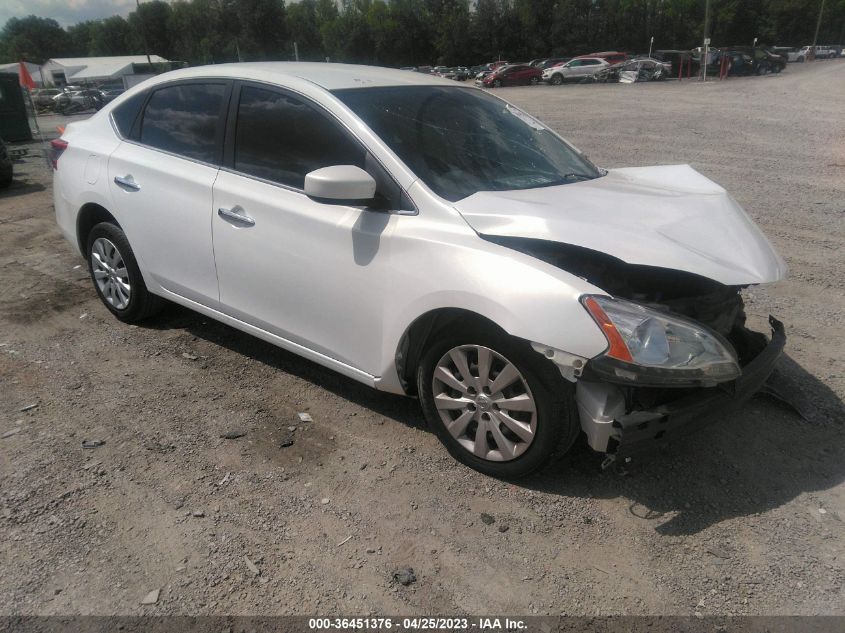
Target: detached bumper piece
[611, 429]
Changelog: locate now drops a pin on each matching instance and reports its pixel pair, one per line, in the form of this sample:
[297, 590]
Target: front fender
[526, 297]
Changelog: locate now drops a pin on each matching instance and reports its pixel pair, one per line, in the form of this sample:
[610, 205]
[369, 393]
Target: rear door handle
[236, 215]
[127, 182]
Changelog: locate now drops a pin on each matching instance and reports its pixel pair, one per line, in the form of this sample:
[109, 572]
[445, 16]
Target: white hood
[668, 216]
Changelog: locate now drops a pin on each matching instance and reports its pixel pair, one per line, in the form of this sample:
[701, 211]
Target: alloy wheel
[484, 402]
[110, 273]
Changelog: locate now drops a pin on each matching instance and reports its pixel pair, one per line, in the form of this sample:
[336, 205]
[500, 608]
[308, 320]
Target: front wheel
[557, 80]
[116, 276]
[496, 404]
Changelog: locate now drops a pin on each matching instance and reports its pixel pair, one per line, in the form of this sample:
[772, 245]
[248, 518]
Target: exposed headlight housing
[650, 348]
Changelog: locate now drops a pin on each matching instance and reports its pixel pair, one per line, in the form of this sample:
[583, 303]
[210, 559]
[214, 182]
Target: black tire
[533, 81]
[557, 79]
[497, 83]
[557, 417]
[142, 303]
[776, 69]
[801, 60]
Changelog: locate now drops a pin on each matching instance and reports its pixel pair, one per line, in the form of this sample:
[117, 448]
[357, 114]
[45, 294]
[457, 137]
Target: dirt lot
[746, 518]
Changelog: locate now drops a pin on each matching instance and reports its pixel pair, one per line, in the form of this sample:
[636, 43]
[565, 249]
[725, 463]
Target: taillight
[57, 147]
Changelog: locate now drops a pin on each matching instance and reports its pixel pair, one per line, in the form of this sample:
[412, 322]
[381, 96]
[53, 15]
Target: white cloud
[65, 12]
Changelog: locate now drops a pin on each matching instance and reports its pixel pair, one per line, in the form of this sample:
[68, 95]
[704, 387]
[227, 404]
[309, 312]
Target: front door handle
[127, 182]
[236, 215]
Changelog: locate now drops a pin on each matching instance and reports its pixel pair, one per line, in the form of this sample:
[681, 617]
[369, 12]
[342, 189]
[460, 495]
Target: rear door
[161, 180]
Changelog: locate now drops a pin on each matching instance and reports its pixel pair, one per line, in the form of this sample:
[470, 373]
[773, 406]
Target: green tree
[149, 24]
[32, 39]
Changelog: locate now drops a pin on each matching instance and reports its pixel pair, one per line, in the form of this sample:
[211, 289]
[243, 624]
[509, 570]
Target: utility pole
[650, 44]
[143, 32]
[706, 38]
[296, 51]
[818, 24]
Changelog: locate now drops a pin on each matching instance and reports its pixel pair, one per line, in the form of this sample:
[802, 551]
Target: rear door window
[186, 119]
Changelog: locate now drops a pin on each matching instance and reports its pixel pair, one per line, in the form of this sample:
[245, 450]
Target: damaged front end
[679, 352]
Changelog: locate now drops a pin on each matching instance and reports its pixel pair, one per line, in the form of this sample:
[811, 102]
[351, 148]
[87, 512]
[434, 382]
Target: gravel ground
[746, 518]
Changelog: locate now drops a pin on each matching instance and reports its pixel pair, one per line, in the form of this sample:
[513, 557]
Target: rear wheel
[496, 404]
[497, 83]
[534, 81]
[116, 276]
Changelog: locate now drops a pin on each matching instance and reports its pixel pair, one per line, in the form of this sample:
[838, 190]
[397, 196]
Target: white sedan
[426, 239]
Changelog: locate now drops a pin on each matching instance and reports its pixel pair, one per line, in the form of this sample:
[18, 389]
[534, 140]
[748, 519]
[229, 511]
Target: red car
[612, 57]
[514, 75]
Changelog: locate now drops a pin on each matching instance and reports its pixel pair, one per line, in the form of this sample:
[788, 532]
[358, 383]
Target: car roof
[327, 76]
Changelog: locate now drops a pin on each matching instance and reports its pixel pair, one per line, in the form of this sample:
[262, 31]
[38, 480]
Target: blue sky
[65, 12]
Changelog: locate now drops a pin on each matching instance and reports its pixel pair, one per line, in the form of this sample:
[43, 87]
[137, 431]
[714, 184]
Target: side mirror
[340, 184]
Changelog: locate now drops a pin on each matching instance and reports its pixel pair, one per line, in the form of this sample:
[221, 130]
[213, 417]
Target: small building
[88, 70]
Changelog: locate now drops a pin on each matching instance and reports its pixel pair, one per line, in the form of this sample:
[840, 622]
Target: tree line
[418, 32]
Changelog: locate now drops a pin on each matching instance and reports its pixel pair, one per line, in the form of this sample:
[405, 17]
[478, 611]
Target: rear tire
[508, 454]
[533, 81]
[116, 276]
[497, 83]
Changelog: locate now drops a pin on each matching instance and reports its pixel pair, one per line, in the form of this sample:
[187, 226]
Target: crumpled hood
[668, 216]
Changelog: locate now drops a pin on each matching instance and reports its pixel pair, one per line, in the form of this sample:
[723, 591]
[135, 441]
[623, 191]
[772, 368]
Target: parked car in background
[469, 256]
[110, 95]
[458, 73]
[634, 70]
[71, 101]
[6, 168]
[43, 97]
[667, 65]
[803, 53]
[578, 69]
[514, 75]
[763, 59]
[552, 61]
[612, 57]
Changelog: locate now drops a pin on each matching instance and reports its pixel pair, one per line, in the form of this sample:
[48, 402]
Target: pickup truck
[803, 53]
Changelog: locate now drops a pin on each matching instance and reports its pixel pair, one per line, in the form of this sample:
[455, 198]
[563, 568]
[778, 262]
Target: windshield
[459, 141]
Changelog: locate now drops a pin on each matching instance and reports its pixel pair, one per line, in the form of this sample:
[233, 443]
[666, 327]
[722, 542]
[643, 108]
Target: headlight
[648, 347]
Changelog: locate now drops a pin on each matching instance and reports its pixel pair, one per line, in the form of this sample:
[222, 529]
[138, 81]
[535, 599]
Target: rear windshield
[462, 140]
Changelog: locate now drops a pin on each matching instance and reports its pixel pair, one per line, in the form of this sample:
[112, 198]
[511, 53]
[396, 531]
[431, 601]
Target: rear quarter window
[126, 113]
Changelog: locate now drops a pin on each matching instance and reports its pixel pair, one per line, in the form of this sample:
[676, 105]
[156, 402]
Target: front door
[310, 272]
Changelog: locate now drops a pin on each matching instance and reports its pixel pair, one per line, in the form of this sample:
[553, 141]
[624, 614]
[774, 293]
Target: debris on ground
[152, 597]
[232, 435]
[305, 417]
[189, 356]
[405, 576]
[252, 566]
[286, 442]
[29, 407]
[324, 501]
[503, 528]
[198, 513]
[487, 519]
[346, 540]
[92, 443]
[10, 433]
[718, 552]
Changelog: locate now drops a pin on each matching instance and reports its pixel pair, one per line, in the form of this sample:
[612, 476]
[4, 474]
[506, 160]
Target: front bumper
[610, 428]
